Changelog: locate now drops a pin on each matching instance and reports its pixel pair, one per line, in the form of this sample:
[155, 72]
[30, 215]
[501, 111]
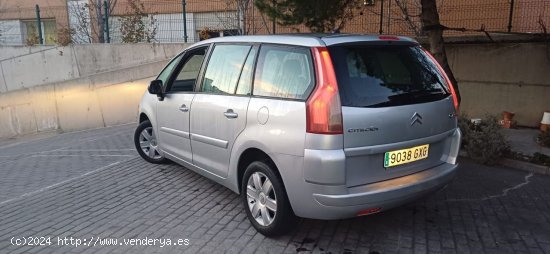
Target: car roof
[310, 40]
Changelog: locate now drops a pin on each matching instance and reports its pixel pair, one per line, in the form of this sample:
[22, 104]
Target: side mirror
[155, 87]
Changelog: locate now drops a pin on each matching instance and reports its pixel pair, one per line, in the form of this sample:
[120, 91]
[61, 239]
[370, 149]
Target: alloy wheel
[261, 197]
[148, 143]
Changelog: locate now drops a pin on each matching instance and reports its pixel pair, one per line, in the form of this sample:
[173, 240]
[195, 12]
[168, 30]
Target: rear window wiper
[416, 94]
[410, 98]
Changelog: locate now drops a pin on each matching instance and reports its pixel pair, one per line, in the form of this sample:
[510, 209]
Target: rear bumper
[330, 202]
[394, 189]
[382, 195]
[317, 187]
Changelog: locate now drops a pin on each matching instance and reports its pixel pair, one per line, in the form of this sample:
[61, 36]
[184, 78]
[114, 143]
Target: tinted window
[378, 76]
[165, 74]
[245, 81]
[187, 76]
[284, 72]
[224, 68]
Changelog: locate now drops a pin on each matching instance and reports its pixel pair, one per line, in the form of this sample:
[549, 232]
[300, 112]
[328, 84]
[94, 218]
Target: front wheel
[145, 140]
[265, 200]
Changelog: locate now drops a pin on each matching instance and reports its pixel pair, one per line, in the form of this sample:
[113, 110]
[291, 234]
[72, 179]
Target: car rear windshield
[386, 75]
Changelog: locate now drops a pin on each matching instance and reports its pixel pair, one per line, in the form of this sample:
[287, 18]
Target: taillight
[323, 108]
[447, 80]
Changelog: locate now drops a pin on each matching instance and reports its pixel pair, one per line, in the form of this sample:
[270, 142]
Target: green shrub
[484, 143]
[541, 159]
[465, 124]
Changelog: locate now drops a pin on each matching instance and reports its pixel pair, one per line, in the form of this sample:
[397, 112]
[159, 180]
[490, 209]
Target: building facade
[163, 20]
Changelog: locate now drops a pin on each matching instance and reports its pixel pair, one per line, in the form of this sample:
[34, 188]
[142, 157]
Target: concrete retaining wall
[24, 67]
[503, 77]
[71, 105]
[86, 86]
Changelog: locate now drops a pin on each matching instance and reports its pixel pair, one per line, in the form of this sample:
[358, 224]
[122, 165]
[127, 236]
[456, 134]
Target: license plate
[399, 157]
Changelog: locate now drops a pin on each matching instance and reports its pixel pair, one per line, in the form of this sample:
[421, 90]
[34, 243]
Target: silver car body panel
[394, 130]
[182, 134]
[212, 133]
[334, 39]
[396, 190]
[338, 201]
[173, 125]
[325, 176]
[306, 40]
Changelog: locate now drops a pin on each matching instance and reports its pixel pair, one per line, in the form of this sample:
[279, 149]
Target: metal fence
[87, 21]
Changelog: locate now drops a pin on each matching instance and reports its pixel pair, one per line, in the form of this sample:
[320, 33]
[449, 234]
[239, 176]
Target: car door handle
[230, 114]
[184, 108]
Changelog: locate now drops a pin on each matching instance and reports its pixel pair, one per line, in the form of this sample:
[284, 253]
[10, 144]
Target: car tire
[261, 198]
[146, 143]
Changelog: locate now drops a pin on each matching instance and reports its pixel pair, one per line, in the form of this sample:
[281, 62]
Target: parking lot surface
[89, 192]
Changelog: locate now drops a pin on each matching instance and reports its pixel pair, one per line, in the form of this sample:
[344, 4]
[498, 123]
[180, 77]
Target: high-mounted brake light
[447, 80]
[388, 38]
[323, 108]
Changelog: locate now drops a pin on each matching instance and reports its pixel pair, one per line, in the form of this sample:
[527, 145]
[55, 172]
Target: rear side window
[284, 72]
[390, 75]
[224, 68]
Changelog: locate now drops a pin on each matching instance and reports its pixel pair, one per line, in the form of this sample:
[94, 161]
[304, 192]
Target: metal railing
[129, 21]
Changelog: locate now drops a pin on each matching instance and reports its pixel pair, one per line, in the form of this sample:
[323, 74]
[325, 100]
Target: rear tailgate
[393, 98]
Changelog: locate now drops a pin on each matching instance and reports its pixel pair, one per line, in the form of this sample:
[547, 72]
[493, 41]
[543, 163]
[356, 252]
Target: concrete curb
[519, 165]
[526, 166]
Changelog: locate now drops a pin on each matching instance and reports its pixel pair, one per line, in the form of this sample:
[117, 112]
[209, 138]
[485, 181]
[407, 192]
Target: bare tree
[428, 23]
[237, 16]
[434, 30]
[79, 14]
[242, 11]
[138, 26]
[98, 8]
[100, 22]
[229, 19]
[410, 19]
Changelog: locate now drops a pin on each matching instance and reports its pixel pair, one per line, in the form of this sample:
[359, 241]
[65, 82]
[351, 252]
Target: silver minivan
[315, 126]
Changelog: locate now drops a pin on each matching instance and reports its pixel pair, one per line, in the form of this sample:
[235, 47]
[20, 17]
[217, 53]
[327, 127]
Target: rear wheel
[265, 200]
[146, 143]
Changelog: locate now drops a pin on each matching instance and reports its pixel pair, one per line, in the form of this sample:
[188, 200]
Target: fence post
[39, 24]
[183, 4]
[510, 18]
[381, 16]
[274, 20]
[389, 18]
[106, 22]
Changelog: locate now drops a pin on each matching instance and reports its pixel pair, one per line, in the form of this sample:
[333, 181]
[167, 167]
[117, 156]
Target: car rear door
[219, 108]
[396, 107]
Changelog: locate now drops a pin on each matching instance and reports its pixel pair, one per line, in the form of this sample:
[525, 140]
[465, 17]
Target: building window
[49, 32]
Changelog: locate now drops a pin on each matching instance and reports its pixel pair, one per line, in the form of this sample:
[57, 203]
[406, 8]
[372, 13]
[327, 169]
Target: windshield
[386, 75]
